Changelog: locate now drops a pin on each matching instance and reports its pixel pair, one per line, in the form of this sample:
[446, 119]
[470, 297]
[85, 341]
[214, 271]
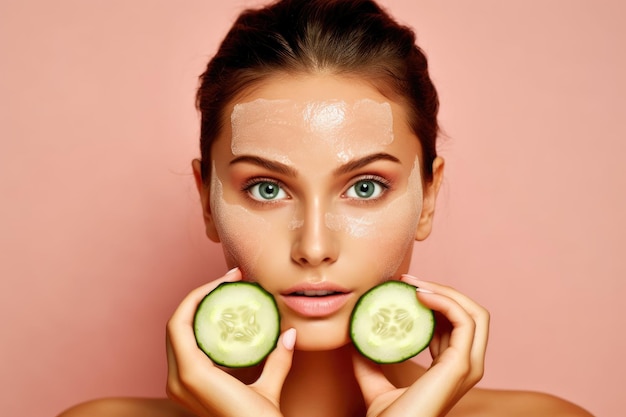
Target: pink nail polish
[230, 271]
[410, 277]
[289, 339]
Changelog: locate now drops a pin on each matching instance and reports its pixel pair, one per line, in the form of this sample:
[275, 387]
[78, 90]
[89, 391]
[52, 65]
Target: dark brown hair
[343, 37]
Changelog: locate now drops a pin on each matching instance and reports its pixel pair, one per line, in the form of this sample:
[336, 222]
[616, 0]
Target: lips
[315, 293]
[319, 300]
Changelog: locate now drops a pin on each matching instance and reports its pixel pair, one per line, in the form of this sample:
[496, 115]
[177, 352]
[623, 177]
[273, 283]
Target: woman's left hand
[458, 350]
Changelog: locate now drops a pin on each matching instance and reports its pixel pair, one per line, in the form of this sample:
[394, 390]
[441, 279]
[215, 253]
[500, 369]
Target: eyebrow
[364, 161]
[289, 171]
[267, 164]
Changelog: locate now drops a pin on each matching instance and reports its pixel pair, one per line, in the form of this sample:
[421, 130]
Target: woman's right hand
[196, 383]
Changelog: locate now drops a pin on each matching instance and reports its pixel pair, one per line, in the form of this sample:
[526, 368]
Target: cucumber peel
[237, 324]
[389, 324]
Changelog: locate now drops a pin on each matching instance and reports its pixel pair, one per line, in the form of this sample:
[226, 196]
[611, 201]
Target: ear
[205, 197]
[431, 190]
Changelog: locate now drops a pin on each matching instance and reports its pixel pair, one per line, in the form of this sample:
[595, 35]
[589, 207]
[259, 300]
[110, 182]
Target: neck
[322, 384]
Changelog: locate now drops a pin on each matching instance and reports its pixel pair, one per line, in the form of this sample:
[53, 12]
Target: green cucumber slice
[237, 324]
[389, 324]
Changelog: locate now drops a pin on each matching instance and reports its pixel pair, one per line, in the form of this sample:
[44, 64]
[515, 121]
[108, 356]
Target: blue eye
[266, 191]
[365, 190]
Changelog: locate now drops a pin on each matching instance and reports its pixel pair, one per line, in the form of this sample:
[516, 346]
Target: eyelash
[252, 182]
[383, 182]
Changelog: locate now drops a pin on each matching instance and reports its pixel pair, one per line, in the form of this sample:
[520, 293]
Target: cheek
[354, 226]
[241, 231]
[398, 222]
[385, 236]
[245, 234]
[395, 232]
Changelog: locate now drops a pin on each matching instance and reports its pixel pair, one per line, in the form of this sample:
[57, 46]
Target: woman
[318, 172]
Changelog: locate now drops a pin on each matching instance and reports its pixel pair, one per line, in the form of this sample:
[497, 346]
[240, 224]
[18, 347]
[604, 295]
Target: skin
[319, 373]
[325, 248]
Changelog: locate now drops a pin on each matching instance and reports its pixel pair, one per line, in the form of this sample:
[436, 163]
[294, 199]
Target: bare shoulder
[496, 403]
[127, 407]
[493, 403]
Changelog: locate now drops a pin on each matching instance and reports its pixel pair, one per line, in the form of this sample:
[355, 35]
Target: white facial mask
[231, 217]
[393, 226]
[409, 205]
[335, 123]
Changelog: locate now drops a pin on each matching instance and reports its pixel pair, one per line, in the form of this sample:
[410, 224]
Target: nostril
[315, 261]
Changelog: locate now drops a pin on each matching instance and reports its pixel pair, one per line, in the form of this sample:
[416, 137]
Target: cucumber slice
[389, 324]
[237, 324]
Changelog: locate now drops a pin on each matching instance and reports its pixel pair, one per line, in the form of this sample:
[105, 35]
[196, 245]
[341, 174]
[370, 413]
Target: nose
[314, 243]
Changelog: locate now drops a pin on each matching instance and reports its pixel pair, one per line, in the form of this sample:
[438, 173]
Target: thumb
[370, 378]
[276, 368]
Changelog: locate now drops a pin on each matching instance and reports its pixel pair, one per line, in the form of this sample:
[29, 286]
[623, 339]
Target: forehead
[296, 126]
[317, 101]
[319, 115]
[313, 87]
[272, 111]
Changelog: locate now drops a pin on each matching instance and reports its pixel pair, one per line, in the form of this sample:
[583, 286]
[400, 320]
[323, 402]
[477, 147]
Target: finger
[186, 362]
[180, 325]
[188, 306]
[480, 316]
[438, 389]
[441, 336]
[174, 388]
[370, 378]
[478, 313]
[444, 329]
[277, 366]
[434, 345]
[461, 336]
[450, 292]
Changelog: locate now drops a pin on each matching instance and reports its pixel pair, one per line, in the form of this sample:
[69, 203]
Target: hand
[458, 350]
[195, 382]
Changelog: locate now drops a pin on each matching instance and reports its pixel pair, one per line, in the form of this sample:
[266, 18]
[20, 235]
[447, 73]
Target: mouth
[314, 293]
[315, 302]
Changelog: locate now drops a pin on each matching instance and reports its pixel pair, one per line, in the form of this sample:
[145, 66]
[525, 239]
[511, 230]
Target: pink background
[100, 231]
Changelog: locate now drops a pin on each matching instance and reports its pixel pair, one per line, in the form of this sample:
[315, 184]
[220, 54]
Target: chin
[320, 345]
[319, 335]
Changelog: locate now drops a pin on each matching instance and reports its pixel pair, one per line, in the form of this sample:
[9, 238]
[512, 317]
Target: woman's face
[316, 194]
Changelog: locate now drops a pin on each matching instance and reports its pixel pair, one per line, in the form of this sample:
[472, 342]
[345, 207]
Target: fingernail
[417, 289]
[289, 339]
[231, 271]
